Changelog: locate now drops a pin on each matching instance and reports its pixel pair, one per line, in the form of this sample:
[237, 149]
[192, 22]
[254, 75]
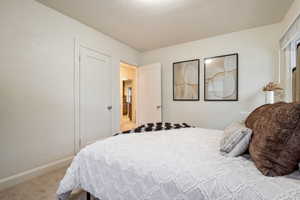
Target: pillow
[275, 144]
[235, 140]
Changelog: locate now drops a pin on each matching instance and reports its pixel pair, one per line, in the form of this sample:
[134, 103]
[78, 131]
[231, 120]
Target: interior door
[149, 94]
[95, 96]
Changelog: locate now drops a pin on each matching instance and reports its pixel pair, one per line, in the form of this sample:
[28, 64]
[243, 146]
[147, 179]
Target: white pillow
[235, 140]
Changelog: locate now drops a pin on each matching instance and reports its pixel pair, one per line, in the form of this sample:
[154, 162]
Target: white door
[149, 93]
[95, 96]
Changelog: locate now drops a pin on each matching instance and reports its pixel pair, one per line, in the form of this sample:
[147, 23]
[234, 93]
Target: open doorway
[128, 96]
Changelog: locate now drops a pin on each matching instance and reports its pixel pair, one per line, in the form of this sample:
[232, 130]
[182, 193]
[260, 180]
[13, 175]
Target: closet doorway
[128, 96]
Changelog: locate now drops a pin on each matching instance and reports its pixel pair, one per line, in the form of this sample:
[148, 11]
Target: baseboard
[27, 175]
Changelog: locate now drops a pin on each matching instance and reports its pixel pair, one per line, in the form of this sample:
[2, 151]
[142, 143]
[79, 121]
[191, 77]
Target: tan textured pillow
[275, 144]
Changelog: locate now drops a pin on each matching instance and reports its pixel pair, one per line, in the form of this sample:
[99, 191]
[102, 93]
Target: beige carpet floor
[40, 188]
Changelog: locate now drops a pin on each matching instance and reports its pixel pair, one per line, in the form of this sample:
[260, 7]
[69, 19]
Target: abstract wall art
[221, 78]
[186, 80]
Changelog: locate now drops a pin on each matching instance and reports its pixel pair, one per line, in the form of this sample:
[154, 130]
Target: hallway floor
[126, 124]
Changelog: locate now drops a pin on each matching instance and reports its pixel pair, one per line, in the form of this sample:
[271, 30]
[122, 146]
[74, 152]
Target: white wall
[258, 57]
[284, 74]
[36, 83]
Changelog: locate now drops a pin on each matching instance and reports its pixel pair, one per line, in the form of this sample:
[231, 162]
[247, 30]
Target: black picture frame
[237, 77]
[198, 82]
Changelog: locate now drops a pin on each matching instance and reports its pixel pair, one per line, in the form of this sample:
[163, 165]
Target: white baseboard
[27, 175]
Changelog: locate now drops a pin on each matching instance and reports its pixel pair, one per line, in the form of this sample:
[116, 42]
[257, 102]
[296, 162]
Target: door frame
[76, 90]
[136, 93]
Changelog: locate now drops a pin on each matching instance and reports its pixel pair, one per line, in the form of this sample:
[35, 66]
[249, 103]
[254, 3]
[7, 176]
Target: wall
[291, 15]
[258, 58]
[36, 83]
[284, 75]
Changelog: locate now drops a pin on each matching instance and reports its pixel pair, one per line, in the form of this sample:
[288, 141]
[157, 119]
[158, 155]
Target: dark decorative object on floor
[88, 196]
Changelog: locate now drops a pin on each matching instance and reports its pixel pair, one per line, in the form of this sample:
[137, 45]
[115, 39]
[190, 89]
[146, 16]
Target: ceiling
[151, 24]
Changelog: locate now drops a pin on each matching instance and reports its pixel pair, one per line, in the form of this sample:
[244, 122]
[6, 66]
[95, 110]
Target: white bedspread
[182, 164]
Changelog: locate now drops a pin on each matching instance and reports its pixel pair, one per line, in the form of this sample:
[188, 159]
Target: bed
[180, 164]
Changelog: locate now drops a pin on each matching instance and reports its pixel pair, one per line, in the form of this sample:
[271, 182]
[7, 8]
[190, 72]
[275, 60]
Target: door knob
[158, 107]
[109, 107]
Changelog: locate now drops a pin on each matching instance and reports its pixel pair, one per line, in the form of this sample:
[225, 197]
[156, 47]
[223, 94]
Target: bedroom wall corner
[283, 72]
[258, 56]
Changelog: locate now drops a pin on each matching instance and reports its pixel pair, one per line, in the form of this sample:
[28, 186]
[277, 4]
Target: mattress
[180, 164]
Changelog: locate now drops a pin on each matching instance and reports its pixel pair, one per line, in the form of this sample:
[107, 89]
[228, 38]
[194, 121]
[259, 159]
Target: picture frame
[221, 78]
[186, 80]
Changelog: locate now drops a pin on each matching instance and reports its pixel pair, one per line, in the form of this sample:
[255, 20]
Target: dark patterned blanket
[155, 127]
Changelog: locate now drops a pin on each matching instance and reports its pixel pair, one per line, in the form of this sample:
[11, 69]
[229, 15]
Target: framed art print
[186, 80]
[221, 78]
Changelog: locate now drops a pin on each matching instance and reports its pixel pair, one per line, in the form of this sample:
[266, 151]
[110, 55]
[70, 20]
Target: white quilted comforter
[183, 164]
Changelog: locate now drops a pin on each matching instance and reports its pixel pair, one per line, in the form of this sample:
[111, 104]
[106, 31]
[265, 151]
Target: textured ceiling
[151, 24]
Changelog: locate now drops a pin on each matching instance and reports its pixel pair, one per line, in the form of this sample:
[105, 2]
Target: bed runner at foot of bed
[150, 127]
